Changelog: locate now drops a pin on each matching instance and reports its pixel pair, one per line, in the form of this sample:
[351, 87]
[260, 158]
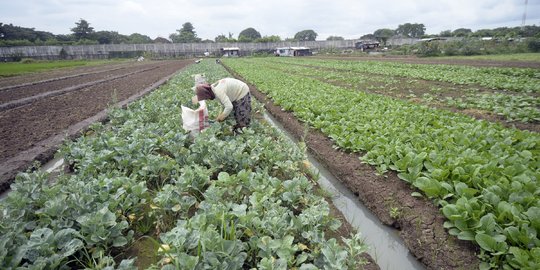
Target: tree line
[418, 30]
[83, 34]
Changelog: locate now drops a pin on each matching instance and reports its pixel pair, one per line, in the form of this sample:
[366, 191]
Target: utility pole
[524, 16]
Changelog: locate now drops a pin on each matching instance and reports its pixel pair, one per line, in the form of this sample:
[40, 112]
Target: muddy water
[386, 247]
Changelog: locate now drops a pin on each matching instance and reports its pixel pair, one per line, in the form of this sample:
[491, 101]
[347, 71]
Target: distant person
[233, 95]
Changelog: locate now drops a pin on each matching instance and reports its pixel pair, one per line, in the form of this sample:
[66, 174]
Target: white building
[230, 52]
[292, 51]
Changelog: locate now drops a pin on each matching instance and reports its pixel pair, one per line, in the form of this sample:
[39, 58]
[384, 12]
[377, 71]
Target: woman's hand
[220, 118]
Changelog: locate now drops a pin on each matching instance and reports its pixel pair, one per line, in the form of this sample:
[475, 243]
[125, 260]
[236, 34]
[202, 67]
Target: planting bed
[420, 223]
[221, 201]
[141, 186]
[435, 61]
[481, 176]
[30, 125]
[520, 109]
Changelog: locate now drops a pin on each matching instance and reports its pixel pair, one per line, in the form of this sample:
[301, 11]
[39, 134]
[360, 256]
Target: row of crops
[218, 201]
[515, 79]
[483, 176]
[521, 104]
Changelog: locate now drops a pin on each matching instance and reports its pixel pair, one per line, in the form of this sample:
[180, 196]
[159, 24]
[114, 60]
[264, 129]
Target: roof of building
[293, 48]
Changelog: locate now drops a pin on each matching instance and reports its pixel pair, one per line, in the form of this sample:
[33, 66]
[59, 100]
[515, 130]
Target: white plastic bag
[195, 121]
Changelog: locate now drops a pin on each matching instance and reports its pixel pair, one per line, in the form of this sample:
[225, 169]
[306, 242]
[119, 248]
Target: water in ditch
[386, 247]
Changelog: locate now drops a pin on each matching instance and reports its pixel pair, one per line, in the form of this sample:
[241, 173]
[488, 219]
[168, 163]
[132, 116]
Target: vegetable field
[218, 201]
[510, 94]
[482, 175]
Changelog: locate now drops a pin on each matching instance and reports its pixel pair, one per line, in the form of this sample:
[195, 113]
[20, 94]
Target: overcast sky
[347, 18]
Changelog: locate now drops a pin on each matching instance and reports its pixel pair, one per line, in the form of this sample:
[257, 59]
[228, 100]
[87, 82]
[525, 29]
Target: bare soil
[33, 130]
[420, 223]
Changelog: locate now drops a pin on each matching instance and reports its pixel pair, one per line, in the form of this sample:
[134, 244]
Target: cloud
[346, 18]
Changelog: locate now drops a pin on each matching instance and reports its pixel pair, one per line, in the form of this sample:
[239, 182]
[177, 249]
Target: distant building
[366, 44]
[293, 51]
[230, 52]
[431, 39]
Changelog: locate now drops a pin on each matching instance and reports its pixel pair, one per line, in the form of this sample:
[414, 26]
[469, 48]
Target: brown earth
[34, 131]
[420, 222]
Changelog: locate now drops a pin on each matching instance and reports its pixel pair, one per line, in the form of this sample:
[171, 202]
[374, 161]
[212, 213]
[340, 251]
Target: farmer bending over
[233, 94]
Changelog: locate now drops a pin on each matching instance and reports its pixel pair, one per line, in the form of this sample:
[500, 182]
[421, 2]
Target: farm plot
[484, 177]
[521, 109]
[218, 201]
[37, 113]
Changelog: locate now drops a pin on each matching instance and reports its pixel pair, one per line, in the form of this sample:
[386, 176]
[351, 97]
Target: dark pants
[242, 111]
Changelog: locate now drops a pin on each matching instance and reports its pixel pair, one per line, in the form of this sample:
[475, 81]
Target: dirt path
[33, 125]
[419, 221]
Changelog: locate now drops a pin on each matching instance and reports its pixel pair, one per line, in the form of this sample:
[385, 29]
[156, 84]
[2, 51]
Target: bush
[27, 60]
[16, 57]
[431, 48]
[17, 42]
[63, 54]
[533, 45]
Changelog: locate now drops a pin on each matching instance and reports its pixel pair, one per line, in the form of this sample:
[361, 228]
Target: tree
[223, 38]
[137, 38]
[529, 31]
[11, 32]
[414, 30]
[368, 37]
[273, 38]
[446, 33]
[185, 35]
[249, 35]
[335, 38]
[461, 32]
[65, 38]
[305, 35]
[483, 33]
[82, 30]
[383, 34]
[161, 40]
[109, 37]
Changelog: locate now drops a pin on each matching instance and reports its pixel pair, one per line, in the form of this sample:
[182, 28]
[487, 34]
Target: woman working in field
[233, 94]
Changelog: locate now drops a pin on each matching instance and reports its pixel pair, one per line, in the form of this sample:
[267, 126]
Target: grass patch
[529, 57]
[18, 68]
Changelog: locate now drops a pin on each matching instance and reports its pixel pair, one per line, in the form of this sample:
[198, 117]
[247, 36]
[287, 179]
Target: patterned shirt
[228, 90]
